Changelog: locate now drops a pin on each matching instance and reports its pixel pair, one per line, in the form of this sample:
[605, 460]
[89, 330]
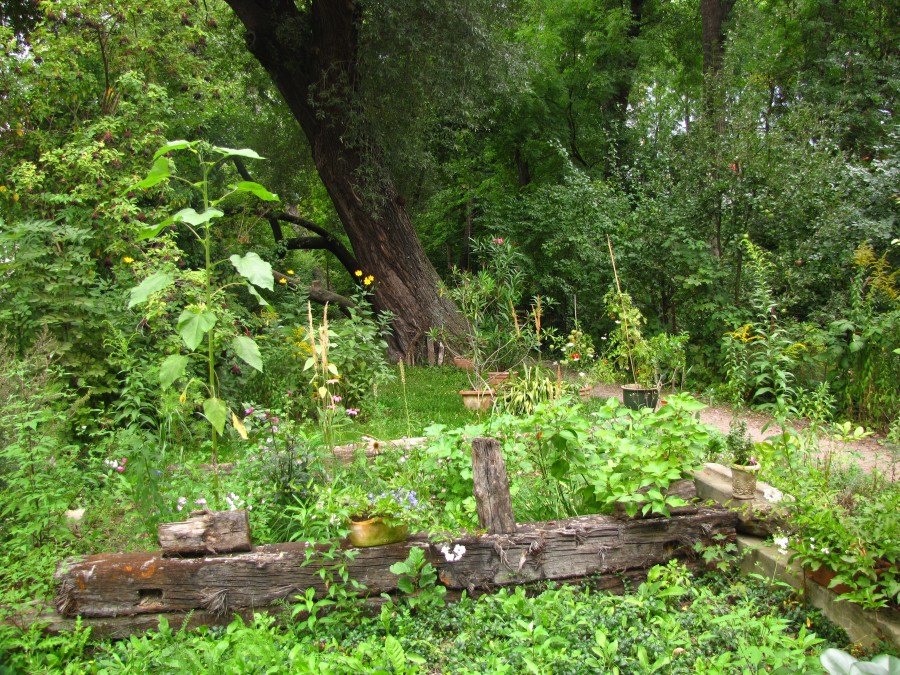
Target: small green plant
[206, 315]
[738, 444]
[419, 581]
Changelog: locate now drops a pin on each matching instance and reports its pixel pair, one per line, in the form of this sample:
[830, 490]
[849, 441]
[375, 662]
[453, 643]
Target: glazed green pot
[376, 532]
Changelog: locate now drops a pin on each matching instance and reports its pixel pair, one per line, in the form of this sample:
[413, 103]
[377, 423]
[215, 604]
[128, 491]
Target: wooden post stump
[492, 498]
[206, 532]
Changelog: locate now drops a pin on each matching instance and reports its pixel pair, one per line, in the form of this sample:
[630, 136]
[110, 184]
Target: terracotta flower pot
[375, 532]
[496, 377]
[477, 400]
[743, 481]
[823, 577]
[585, 392]
[464, 363]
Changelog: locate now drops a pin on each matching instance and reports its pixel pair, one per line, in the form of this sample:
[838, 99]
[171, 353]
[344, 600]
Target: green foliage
[419, 581]
[738, 444]
[205, 306]
[39, 465]
[527, 389]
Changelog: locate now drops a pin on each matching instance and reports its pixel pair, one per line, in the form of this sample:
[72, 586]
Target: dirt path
[869, 453]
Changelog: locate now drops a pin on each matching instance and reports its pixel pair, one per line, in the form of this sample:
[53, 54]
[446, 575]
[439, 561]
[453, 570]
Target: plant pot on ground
[480, 399]
[744, 466]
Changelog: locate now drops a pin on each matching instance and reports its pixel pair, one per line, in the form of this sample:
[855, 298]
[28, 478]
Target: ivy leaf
[256, 189]
[191, 217]
[259, 298]
[248, 351]
[172, 369]
[215, 411]
[152, 284]
[193, 324]
[239, 426]
[170, 146]
[254, 269]
[158, 173]
[243, 152]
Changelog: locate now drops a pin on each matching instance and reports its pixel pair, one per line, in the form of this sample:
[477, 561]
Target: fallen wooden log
[115, 585]
[206, 532]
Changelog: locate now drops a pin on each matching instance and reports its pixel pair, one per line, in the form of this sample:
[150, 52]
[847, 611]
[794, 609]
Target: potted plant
[632, 352]
[744, 466]
[487, 300]
[384, 518]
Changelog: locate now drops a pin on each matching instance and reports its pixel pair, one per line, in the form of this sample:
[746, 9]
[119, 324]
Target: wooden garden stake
[492, 498]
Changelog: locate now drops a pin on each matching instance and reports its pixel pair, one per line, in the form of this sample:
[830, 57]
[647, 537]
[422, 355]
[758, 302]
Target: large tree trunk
[312, 58]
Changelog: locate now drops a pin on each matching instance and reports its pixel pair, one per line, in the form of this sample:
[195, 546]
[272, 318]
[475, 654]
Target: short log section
[206, 533]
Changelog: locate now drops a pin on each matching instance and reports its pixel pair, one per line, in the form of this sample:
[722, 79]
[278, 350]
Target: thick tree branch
[325, 240]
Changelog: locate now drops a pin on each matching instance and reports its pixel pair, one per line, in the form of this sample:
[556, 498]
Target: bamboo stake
[624, 319]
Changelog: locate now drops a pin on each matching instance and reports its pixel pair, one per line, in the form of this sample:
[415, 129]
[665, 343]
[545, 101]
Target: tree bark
[312, 55]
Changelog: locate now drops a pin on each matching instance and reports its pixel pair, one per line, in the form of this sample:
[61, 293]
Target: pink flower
[336, 399]
[120, 469]
[497, 240]
[353, 412]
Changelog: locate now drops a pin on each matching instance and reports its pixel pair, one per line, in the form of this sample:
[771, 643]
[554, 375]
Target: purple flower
[353, 412]
[336, 399]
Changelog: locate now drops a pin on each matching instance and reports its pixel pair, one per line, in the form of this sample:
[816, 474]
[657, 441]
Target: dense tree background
[677, 129]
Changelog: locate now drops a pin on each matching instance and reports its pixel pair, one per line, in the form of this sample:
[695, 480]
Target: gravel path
[869, 453]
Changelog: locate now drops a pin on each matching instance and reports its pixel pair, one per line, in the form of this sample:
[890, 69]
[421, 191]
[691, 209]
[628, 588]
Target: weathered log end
[492, 498]
[206, 533]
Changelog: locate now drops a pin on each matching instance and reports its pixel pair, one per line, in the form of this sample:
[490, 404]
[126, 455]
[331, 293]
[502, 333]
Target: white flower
[825, 550]
[581, 374]
[456, 554]
[781, 543]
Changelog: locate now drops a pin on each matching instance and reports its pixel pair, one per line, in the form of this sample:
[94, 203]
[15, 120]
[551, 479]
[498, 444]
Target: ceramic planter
[496, 377]
[375, 532]
[585, 392]
[477, 400]
[636, 397]
[464, 363]
[743, 481]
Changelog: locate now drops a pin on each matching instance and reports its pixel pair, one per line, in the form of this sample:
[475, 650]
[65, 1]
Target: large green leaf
[242, 152]
[191, 217]
[170, 146]
[193, 324]
[152, 230]
[254, 269]
[172, 369]
[215, 410]
[256, 189]
[248, 351]
[158, 173]
[152, 284]
[255, 294]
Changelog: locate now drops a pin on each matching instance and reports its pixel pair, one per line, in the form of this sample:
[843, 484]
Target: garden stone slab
[864, 626]
[760, 516]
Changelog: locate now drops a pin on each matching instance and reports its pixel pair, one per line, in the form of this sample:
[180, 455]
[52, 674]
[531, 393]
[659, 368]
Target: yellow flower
[368, 280]
[15, 197]
[282, 280]
[358, 273]
[2, 188]
[290, 271]
[127, 260]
